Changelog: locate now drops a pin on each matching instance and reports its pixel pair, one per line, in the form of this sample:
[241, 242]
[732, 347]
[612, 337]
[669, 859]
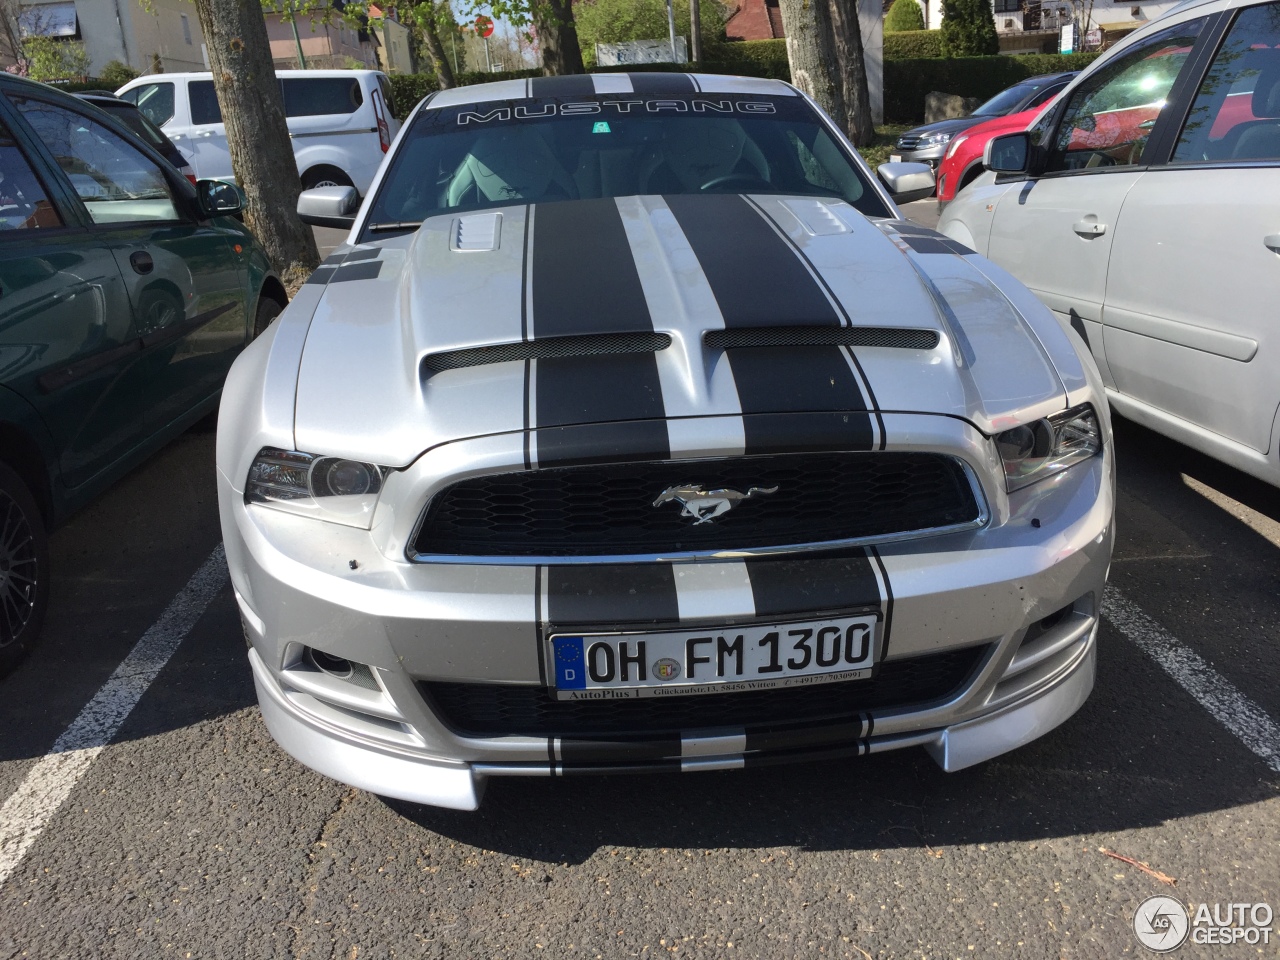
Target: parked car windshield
[1006, 100]
[543, 150]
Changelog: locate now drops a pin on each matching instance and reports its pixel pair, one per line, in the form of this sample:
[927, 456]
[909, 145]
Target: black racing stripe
[785, 586]
[366, 253]
[576, 85]
[934, 244]
[600, 595]
[619, 751]
[538, 621]
[801, 737]
[751, 761]
[662, 83]
[321, 274]
[806, 432]
[603, 443]
[365, 270]
[597, 769]
[583, 275]
[333, 259]
[755, 275]
[888, 603]
[584, 281]
[551, 755]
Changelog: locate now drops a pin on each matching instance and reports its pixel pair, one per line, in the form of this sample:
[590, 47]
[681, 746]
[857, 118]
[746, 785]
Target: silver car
[632, 430]
[1143, 210]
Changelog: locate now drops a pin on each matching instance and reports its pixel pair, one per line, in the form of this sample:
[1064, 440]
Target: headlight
[1036, 451]
[934, 140]
[328, 488]
[955, 145]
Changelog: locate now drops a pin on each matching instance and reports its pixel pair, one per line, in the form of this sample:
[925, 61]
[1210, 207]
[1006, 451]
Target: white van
[340, 122]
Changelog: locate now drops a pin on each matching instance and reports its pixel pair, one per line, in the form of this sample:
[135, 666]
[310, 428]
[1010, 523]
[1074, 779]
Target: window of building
[186, 30]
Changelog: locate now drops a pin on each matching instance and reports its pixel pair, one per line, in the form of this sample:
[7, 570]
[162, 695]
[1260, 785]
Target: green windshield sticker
[601, 126]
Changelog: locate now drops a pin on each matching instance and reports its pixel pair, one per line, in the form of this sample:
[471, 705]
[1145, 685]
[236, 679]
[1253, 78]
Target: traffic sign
[484, 26]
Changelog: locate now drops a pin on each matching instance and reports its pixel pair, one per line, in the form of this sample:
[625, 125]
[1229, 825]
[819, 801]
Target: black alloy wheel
[24, 570]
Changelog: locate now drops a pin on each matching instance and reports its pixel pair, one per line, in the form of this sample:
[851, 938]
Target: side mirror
[219, 198]
[1008, 154]
[329, 206]
[907, 182]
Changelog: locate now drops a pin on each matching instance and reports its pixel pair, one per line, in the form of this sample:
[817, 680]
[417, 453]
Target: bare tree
[824, 47]
[253, 111]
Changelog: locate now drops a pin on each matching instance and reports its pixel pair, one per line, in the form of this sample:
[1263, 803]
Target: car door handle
[1089, 228]
[141, 262]
[1272, 242]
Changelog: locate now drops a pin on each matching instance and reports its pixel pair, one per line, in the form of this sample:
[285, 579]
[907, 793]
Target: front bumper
[1022, 592]
[931, 155]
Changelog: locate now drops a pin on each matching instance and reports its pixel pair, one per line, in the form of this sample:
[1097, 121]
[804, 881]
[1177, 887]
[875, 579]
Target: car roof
[1049, 77]
[604, 84]
[280, 74]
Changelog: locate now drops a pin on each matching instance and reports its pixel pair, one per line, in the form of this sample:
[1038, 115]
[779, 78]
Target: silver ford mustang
[632, 430]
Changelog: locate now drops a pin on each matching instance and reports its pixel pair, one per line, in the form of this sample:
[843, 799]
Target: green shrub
[968, 29]
[904, 15]
[906, 82]
[116, 74]
[912, 44]
[769, 56]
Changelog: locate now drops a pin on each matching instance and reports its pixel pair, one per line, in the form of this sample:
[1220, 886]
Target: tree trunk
[811, 54]
[695, 31]
[253, 111]
[557, 37]
[846, 31]
[427, 19]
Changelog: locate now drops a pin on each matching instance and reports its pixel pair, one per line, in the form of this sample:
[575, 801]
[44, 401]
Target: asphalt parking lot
[190, 834]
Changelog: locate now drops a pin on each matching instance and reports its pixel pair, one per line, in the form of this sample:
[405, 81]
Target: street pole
[487, 62]
[695, 32]
[454, 31]
[293, 22]
[671, 27]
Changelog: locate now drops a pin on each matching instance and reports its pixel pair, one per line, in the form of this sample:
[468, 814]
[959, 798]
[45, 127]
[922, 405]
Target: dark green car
[125, 294]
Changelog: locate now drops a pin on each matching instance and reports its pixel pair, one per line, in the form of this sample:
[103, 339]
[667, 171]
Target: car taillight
[188, 173]
[384, 131]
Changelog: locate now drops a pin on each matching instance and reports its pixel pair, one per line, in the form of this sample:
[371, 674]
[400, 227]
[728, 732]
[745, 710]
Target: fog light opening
[334, 666]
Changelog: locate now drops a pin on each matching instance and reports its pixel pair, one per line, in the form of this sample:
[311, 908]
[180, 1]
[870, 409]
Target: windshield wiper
[396, 225]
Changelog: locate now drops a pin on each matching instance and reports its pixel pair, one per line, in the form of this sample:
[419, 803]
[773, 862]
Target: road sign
[484, 26]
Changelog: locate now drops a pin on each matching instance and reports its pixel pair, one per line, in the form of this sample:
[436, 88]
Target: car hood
[601, 311]
[952, 126]
[1008, 124]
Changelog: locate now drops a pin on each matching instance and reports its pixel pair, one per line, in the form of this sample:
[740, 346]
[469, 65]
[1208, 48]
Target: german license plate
[620, 666]
[895, 158]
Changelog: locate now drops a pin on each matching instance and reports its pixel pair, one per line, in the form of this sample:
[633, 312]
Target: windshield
[1006, 101]
[542, 150]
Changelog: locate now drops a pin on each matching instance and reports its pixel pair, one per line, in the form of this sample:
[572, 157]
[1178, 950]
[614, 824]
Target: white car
[1144, 209]
[340, 121]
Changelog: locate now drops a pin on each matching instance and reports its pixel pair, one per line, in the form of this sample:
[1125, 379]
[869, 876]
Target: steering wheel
[747, 178]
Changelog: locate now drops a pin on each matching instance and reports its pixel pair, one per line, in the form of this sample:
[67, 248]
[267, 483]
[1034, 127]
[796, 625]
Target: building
[325, 46]
[1029, 26]
[163, 36]
[755, 20]
[394, 41]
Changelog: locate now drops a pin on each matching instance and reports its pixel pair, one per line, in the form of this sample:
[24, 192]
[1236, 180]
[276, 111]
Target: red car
[963, 160]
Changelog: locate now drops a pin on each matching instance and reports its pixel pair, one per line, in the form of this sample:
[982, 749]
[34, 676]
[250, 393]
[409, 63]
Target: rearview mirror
[1008, 154]
[219, 198]
[907, 182]
[329, 206]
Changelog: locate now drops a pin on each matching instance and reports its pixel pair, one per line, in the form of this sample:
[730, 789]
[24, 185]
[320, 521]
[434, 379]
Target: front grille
[609, 509]
[486, 710]
[908, 143]
[903, 338]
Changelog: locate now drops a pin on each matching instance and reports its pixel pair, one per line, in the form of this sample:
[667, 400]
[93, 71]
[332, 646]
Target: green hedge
[907, 82]
[408, 88]
[913, 44]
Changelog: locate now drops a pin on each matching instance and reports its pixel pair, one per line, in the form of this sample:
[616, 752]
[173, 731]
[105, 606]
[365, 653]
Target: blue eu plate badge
[571, 671]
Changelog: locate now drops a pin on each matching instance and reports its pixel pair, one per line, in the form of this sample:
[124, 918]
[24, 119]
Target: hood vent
[905, 339]
[584, 346]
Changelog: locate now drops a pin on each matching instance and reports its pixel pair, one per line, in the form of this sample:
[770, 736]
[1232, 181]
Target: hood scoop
[479, 232]
[902, 338]
[591, 345]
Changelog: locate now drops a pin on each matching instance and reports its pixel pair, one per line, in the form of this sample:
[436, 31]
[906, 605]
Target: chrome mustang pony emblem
[705, 505]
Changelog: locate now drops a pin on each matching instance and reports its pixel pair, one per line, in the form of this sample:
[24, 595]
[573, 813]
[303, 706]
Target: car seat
[1259, 139]
[696, 152]
[510, 163]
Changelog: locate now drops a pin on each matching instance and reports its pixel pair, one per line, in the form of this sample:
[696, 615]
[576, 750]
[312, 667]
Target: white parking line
[1244, 718]
[30, 807]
